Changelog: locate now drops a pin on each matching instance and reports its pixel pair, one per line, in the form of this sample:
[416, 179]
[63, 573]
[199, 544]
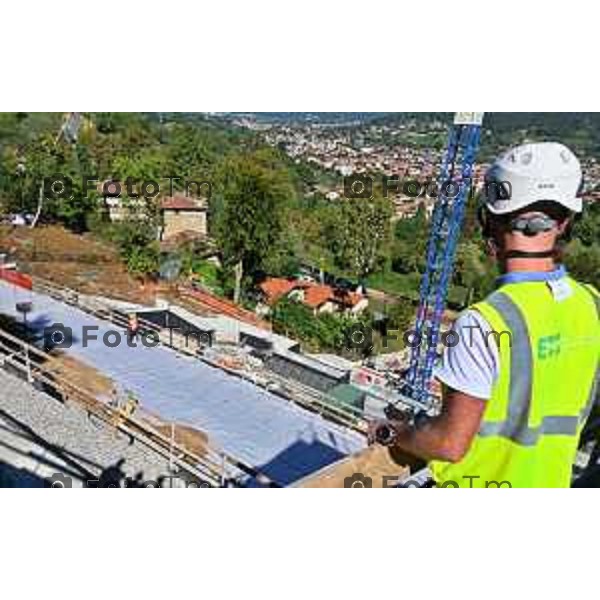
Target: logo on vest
[548, 346]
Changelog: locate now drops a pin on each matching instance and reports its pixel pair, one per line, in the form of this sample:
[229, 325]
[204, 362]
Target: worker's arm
[447, 437]
[468, 372]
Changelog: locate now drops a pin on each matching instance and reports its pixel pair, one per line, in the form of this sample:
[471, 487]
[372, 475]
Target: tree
[584, 262]
[587, 229]
[361, 234]
[473, 271]
[251, 199]
[143, 260]
[409, 246]
[191, 152]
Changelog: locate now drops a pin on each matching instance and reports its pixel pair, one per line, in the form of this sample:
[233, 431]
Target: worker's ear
[565, 226]
[491, 247]
[565, 231]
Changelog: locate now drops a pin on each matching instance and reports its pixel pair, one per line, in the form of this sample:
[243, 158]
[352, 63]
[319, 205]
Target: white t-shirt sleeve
[470, 366]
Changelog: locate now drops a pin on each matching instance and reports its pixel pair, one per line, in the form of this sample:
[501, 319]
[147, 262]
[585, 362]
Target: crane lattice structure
[454, 184]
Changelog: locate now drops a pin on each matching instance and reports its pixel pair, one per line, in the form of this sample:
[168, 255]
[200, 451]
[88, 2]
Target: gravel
[38, 432]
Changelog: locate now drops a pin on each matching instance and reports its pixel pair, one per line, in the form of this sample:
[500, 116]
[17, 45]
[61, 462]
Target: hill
[581, 131]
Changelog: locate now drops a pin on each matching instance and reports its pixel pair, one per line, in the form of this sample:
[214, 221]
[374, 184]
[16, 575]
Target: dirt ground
[83, 376]
[80, 262]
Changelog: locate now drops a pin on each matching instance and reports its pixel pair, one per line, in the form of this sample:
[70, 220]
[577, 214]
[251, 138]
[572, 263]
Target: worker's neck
[520, 265]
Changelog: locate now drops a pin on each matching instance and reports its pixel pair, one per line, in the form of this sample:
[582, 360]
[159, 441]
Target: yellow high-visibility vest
[549, 368]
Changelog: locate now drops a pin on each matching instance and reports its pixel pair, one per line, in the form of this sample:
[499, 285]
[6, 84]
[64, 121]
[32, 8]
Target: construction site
[112, 381]
[229, 412]
[309, 294]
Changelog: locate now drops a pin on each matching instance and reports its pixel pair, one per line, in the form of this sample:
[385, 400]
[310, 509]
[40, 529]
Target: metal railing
[214, 467]
[104, 312]
[287, 389]
[290, 390]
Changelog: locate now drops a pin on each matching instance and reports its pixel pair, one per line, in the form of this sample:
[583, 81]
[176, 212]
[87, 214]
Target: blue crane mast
[415, 399]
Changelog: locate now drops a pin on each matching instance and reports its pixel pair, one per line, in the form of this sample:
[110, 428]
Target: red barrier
[16, 278]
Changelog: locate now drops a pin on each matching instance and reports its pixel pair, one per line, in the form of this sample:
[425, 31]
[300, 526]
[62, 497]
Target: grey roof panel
[252, 424]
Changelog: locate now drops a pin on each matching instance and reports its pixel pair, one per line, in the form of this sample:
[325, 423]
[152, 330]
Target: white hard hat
[531, 173]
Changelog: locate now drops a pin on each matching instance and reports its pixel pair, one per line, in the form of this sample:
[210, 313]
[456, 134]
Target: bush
[319, 333]
[137, 245]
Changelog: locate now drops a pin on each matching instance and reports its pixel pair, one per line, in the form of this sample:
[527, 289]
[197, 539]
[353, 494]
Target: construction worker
[522, 379]
[132, 327]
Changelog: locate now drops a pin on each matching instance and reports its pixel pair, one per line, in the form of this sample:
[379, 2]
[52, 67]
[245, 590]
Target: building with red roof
[319, 298]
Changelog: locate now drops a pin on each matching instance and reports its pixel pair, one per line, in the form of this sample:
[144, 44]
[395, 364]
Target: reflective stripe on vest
[516, 426]
[594, 390]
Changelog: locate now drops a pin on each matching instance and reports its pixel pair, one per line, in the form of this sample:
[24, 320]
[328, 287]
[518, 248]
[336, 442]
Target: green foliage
[474, 273]
[360, 234]
[207, 272]
[474, 270]
[401, 316]
[19, 128]
[137, 244]
[403, 285]
[143, 260]
[409, 247]
[582, 254]
[282, 261]
[324, 332]
[268, 213]
[252, 194]
[587, 228]
[293, 319]
[583, 262]
[110, 146]
[501, 130]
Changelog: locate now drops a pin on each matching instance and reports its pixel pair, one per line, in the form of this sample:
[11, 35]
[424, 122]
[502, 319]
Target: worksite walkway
[281, 439]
